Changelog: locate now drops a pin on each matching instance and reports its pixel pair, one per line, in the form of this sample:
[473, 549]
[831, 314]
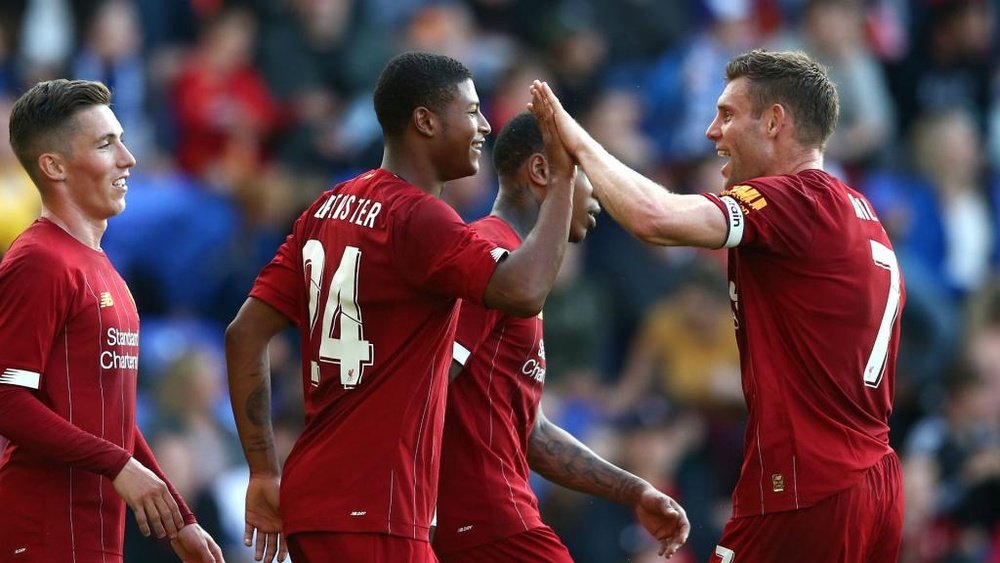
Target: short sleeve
[775, 213]
[440, 253]
[278, 284]
[475, 323]
[34, 301]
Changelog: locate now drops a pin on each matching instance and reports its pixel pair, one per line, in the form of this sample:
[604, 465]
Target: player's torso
[376, 351]
[89, 378]
[492, 405]
[818, 334]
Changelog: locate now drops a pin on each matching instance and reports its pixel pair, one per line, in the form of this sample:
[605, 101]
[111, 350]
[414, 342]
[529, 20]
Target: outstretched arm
[646, 209]
[556, 455]
[249, 372]
[521, 283]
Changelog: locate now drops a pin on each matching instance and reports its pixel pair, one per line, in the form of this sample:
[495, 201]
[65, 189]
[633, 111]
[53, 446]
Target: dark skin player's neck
[517, 206]
[412, 165]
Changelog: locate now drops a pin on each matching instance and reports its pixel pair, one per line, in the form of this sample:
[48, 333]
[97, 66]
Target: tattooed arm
[249, 372]
[556, 455]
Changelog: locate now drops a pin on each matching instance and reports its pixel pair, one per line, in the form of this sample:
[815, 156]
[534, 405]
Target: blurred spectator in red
[226, 113]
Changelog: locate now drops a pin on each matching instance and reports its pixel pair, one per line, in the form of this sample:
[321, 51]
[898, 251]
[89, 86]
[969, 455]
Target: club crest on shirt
[749, 198]
[777, 482]
[106, 300]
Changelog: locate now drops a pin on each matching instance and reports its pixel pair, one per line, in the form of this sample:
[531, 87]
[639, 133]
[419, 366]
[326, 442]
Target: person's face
[585, 209]
[738, 135]
[463, 133]
[96, 164]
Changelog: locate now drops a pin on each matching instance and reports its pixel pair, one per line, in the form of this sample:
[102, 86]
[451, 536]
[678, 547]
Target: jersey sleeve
[774, 213]
[278, 284]
[29, 424]
[475, 322]
[439, 252]
[34, 301]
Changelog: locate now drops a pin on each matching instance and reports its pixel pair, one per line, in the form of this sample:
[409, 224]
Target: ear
[777, 118]
[425, 121]
[51, 166]
[538, 169]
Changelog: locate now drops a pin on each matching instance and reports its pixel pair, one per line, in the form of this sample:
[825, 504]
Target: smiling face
[462, 134]
[586, 208]
[95, 163]
[739, 136]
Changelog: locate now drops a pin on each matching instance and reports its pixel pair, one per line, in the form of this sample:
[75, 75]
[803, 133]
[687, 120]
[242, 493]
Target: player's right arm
[646, 209]
[521, 283]
[249, 372]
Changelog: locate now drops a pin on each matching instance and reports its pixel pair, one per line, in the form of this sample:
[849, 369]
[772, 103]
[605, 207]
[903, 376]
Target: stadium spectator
[69, 345]
[495, 428]
[815, 290]
[371, 274]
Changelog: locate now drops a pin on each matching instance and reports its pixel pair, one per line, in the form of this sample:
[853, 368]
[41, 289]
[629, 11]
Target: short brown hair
[795, 81]
[46, 110]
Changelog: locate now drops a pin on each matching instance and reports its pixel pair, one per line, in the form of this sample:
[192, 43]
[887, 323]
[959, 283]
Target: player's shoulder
[495, 229]
[42, 251]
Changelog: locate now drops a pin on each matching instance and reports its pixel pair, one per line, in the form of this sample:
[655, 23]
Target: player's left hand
[193, 544]
[664, 519]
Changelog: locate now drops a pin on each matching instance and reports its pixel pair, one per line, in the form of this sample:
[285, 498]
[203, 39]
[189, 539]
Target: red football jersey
[68, 329]
[371, 274]
[816, 294]
[484, 493]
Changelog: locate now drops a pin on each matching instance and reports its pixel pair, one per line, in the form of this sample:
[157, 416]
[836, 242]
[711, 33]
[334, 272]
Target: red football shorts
[538, 544]
[863, 524]
[324, 547]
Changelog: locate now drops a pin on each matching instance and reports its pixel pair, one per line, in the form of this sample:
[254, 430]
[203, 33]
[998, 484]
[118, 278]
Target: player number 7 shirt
[816, 295]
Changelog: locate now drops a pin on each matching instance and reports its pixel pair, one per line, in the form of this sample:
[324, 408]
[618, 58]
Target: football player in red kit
[495, 430]
[371, 276]
[816, 297]
[69, 351]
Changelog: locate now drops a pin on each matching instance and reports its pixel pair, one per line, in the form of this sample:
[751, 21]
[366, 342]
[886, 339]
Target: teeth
[120, 182]
[724, 154]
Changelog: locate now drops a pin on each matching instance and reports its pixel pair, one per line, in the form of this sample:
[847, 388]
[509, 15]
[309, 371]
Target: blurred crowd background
[242, 112]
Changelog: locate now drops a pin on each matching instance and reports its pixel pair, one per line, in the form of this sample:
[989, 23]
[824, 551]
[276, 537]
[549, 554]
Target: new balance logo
[106, 300]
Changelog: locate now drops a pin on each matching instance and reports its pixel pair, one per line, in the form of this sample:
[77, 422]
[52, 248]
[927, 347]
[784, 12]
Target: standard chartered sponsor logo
[122, 337]
[112, 359]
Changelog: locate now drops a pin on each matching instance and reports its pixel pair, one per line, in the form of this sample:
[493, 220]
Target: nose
[128, 159]
[714, 132]
[484, 125]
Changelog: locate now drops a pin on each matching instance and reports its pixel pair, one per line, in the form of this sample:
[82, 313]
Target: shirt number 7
[883, 258]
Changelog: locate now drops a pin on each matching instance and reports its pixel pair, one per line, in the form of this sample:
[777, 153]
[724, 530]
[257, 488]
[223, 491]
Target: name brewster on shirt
[350, 208]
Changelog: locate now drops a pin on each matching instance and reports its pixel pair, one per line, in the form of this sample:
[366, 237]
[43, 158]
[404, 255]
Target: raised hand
[547, 107]
[194, 545]
[664, 519]
[560, 161]
[263, 518]
[155, 509]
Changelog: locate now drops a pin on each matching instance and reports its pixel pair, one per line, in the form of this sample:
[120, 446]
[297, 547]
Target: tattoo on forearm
[559, 457]
[258, 405]
[259, 444]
